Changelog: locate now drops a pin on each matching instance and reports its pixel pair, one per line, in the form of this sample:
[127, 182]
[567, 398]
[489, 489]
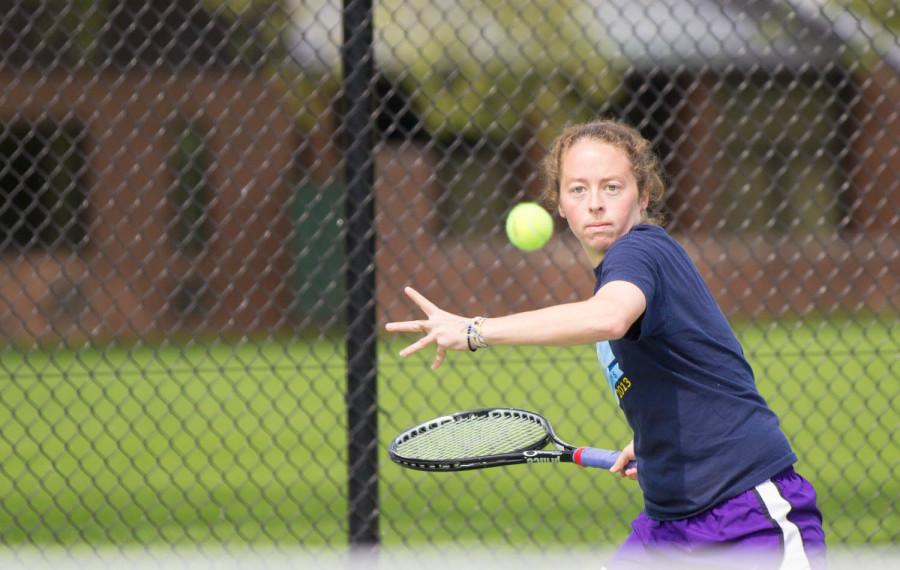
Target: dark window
[395, 118]
[44, 204]
[189, 196]
[783, 164]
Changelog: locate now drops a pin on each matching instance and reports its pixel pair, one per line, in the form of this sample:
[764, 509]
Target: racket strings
[473, 436]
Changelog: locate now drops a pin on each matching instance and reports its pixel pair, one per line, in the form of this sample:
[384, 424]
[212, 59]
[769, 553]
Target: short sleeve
[634, 258]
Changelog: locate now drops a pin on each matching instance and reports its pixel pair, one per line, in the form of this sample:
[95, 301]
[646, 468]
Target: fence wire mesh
[172, 301]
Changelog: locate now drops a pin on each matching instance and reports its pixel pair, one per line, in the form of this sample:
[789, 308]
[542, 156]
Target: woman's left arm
[606, 316]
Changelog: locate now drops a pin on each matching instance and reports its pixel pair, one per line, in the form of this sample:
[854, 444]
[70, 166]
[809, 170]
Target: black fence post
[359, 138]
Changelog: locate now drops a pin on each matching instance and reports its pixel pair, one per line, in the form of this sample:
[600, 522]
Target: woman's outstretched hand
[446, 330]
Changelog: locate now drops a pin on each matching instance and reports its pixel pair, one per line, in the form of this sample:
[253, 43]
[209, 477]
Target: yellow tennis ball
[529, 226]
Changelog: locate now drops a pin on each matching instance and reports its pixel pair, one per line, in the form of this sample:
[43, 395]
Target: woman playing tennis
[712, 462]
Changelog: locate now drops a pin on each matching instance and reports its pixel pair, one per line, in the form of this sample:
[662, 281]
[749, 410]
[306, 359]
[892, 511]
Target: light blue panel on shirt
[610, 365]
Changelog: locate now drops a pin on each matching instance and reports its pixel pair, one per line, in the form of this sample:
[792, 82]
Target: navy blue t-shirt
[702, 432]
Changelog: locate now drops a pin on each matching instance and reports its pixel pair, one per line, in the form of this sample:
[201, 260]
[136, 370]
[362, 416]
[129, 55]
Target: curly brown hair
[639, 151]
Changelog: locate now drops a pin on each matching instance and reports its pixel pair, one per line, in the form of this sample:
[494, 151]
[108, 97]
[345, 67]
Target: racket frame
[532, 453]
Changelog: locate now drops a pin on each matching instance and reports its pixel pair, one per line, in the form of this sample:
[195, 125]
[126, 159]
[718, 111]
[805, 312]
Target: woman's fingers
[621, 461]
[439, 358]
[620, 466]
[423, 303]
[407, 326]
[417, 346]
[431, 327]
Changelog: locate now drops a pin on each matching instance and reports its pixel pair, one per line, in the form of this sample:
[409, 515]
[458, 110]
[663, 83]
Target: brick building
[173, 204]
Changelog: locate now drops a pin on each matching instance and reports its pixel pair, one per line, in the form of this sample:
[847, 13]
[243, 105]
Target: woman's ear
[561, 213]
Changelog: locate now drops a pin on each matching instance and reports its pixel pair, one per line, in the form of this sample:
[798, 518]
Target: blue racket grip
[600, 458]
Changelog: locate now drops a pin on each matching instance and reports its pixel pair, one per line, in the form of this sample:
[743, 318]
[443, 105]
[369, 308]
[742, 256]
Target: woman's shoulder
[640, 231]
[651, 245]
[645, 236]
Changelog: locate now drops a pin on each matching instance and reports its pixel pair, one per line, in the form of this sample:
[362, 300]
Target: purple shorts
[773, 525]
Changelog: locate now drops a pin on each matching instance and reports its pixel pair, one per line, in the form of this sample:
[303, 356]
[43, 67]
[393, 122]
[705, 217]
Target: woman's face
[598, 195]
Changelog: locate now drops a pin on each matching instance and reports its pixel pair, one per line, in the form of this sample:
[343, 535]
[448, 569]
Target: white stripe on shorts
[778, 507]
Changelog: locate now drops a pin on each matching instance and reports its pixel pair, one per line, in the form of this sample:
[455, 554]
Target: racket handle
[600, 458]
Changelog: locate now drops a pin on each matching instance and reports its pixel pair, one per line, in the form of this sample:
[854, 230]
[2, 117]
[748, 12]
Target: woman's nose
[595, 203]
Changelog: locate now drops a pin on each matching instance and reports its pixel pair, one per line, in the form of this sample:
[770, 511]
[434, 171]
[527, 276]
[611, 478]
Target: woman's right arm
[606, 316]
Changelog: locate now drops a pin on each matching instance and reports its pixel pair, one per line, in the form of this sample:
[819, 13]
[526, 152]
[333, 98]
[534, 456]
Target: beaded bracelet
[474, 335]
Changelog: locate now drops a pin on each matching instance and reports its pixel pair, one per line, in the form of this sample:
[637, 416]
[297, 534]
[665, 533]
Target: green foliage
[491, 68]
[883, 13]
[477, 68]
[879, 26]
[254, 28]
[85, 21]
[69, 32]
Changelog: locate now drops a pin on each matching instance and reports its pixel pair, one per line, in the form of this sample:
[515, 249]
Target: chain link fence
[185, 275]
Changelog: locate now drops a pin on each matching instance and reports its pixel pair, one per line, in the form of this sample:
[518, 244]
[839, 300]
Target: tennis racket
[490, 437]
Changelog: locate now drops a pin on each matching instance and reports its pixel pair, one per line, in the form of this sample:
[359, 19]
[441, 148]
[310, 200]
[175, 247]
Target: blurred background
[209, 208]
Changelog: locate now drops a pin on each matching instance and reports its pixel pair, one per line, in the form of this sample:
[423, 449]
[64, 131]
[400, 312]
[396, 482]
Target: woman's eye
[613, 188]
[577, 189]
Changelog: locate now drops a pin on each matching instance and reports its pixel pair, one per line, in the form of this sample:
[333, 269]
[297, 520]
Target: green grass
[245, 443]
